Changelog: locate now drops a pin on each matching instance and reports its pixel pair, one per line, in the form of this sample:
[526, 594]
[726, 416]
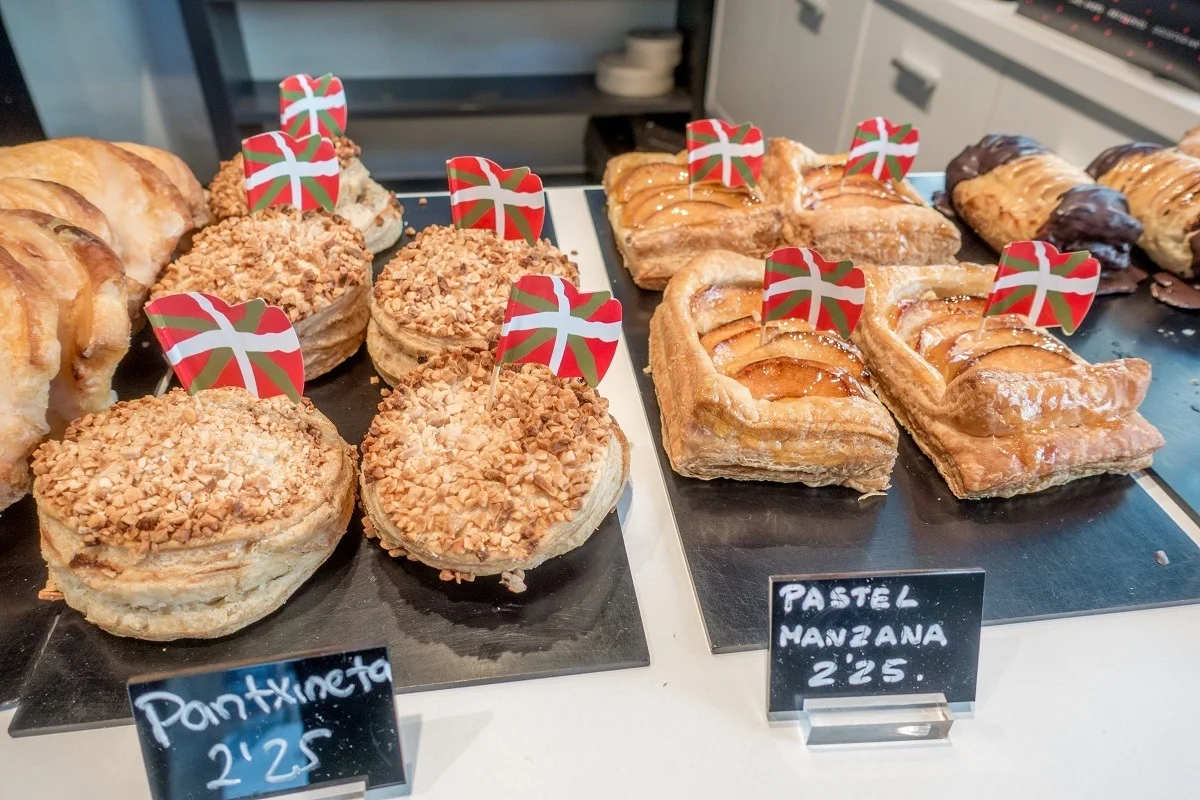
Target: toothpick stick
[492, 389]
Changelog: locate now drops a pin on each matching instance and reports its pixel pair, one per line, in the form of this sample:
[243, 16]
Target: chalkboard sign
[858, 634]
[260, 729]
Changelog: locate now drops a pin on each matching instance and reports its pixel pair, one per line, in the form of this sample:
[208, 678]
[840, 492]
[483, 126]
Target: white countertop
[1096, 707]
[1124, 88]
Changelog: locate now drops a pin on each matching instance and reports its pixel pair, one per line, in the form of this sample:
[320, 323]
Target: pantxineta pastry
[1162, 186]
[190, 517]
[660, 224]
[368, 206]
[147, 213]
[313, 265]
[1013, 189]
[447, 289]
[1001, 408]
[786, 404]
[853, 216]
[472, 490]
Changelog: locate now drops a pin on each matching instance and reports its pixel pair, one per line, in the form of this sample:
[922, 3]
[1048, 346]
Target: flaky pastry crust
[855, 217]
[996, 429]
[178, 517]
[313, 265]
[714, 426]
[472, 491]
[59, 201]
[364, 202]
[447, 289]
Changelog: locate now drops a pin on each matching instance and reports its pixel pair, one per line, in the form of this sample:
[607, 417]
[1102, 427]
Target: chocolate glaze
[993, 150]
[1094, 218]
[1174, 292]
[1115, 155]
[1125, 281]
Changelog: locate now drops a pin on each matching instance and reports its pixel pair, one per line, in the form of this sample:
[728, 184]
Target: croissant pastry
[1011, 188]
[59, 201]
[1001, 408]
[179, 173]
[1163, 189]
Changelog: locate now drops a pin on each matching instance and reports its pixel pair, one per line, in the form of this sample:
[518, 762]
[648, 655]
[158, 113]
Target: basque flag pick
[312, 106]
[881, 147]
[717, 151]
[1048, 287]
[210, 344]
[281, 171]
[548, 321]
[800, 284]
[508, 201]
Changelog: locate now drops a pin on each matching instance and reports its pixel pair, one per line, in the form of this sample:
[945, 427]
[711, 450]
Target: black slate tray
[580, 613]
[1139, 325]
[1077, 549]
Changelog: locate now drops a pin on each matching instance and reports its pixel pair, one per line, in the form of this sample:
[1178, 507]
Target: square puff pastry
[734, 408]
[659, 226]
[856, 216]
[1005, 412]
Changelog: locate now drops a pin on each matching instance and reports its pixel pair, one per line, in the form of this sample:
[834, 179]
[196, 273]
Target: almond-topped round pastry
[447, 289]
[313, 265]
[190, 517]
[367, 205]
[476, 492]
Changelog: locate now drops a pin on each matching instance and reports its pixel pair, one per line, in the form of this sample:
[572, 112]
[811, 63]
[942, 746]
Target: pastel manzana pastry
[1012, 188]
[369, 207]
[853, 216]
[659, 224]
[447, 289]
[1162, 186]
[190, 517]
[1001, 408]
[313, 265]
[790, 405]
[474, 492]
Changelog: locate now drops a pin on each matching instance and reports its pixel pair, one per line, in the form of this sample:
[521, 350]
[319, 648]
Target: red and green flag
[548, 321]
[719, 152]
[508, 201]
[311, 106]
[882, 148]
[282, 171]
[1048, 287]
[210, 344]
[800, 284]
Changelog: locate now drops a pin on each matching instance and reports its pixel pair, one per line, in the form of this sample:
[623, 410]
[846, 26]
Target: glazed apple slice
[658, 175]
[715, 306]
[646, 203]
[969, 347]
[817, 347]
[835, 188]
[784, 377]
[1019, 358]
[740, 336]
[919, 314]
[689, 212]
[935, 341]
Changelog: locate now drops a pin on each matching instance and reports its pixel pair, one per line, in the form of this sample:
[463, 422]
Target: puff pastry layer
[475, 491]
[1011, 189]
[178, 517]
[797, 408]
[659, 226]
[1163, 189]
[1006, 411]
[856, 217]
[59, 201]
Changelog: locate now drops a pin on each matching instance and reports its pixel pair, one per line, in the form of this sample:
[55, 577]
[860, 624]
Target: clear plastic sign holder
[863, 720]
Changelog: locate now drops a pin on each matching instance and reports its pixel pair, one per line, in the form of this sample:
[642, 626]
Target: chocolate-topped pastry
[1011, 188]
[1162, 186]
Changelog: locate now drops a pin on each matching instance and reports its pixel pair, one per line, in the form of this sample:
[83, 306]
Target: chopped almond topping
[457, 480]
[299, 262]
[454, 283]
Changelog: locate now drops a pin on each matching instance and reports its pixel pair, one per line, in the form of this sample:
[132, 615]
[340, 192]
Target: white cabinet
[1074, 136]
[909, 75]
[742, 58]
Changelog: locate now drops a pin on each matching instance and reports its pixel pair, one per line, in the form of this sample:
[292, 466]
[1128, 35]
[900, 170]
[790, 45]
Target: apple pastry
[787, 404]
[853, 216]
[659, 223]
[1001, 407]
[471, 490]
[1162, 186]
